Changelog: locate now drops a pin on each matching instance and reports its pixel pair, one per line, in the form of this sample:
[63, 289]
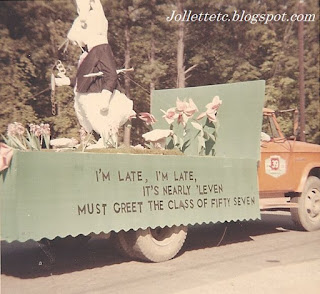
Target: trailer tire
[307, 215]
[160, 244]
[155, 245]
[124, 242]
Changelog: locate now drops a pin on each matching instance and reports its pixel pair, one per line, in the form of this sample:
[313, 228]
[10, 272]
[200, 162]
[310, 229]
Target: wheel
[307, 215]
[156, 245]
[124, 242]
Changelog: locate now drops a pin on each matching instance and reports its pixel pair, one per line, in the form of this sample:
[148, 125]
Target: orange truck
[289, 175]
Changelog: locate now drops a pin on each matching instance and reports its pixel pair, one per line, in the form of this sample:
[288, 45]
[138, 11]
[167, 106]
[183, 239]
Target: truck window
[269, 127]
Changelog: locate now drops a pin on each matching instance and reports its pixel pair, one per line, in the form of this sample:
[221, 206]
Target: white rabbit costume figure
[98, 105]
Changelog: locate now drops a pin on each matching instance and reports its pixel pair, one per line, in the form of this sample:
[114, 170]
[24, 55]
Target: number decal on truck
[275, 166]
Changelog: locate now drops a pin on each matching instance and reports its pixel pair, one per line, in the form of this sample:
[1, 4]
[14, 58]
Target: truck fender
[308, 172]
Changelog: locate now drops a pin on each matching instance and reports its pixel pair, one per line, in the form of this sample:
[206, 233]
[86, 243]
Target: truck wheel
[307, 215]
[156, 245]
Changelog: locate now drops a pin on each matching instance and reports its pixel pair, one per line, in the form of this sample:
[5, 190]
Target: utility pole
[301, 73]
[181, 77]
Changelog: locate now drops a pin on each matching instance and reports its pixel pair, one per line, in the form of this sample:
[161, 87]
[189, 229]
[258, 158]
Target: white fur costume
[89, 110]
[103, 110]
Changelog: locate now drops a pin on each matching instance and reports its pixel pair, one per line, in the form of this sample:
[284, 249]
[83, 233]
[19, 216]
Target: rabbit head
[91, 26]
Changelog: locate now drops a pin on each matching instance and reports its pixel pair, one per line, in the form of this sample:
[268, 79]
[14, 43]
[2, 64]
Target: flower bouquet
[18, 137]
[181, 120]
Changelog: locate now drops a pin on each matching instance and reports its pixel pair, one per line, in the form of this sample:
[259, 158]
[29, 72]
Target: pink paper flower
[212, 109]
[6, 154]
[45, 129]
[15, 129]
[185, 110]
[42, 130]
[170, 115]
[148, 118]
[35, 130]
[182, 119]
[11, 130]
[188, 108]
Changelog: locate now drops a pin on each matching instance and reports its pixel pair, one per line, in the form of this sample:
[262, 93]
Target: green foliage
[219, 52]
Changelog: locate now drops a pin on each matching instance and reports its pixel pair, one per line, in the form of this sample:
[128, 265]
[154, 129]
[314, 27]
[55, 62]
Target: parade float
[206, 173]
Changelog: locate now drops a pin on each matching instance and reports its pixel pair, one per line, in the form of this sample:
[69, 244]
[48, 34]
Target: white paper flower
[158, 137]
[63, 143]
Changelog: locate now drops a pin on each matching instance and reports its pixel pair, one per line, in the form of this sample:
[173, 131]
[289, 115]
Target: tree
[164, 55]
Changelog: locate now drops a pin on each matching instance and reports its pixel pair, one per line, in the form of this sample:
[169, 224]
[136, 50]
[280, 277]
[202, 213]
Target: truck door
[274, 170]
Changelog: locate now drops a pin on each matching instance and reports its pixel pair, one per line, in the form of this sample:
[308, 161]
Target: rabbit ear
[96, 5]
[91, 26]
[83, 8]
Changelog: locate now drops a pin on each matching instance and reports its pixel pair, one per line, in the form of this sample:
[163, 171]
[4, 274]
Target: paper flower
[64, 143]
[212, 109]
[188, 108]
[158, 137]
[15, 129]
[170, 115]
[35, 130]
[6, 154]
[148, 118]
[185, 110]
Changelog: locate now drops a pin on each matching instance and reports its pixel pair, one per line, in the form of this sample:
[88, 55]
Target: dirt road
[266, 256]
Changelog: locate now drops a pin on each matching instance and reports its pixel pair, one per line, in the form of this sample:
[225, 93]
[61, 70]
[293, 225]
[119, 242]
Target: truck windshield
[269, 127]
